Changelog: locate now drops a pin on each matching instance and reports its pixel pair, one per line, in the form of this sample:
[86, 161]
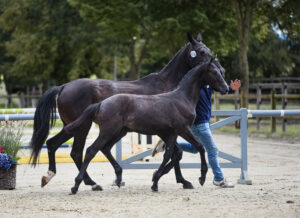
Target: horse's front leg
[191, 138]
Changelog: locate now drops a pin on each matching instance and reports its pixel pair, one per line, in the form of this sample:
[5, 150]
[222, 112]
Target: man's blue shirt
[203, 108]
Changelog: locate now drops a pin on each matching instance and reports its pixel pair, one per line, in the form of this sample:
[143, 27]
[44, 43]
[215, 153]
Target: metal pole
[258, 103]
[244, 168]
[273, 107]
[119, 152]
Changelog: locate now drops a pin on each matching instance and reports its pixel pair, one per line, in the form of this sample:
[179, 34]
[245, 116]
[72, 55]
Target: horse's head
[213, 77]
[198, 53]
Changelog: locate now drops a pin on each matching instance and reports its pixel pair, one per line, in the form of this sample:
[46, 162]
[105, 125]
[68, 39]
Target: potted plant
[10, 140]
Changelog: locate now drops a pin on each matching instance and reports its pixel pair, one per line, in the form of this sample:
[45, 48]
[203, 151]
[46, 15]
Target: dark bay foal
[167, 115]
[74, 97]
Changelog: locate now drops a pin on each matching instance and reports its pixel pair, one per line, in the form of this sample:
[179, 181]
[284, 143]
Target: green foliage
[46, 42]
[270, 58]
[10, 138]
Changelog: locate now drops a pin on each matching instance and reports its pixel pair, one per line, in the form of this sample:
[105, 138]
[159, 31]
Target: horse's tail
[87, 116]
[44, 119]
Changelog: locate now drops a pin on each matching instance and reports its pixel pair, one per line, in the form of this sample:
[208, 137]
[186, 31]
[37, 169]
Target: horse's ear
[191, 39]
[199, 37]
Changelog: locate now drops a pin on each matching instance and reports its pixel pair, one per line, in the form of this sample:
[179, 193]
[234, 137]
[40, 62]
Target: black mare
[167, 115]
[75, 96]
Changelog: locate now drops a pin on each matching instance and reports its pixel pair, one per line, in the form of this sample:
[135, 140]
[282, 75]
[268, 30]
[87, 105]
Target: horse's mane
[173, 59]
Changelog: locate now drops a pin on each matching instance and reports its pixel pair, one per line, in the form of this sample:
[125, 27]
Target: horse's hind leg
[170, 142]
[90, 154]
[110, 133]
[103, 139]
[77, 154]
[106, 150]
[52, 145]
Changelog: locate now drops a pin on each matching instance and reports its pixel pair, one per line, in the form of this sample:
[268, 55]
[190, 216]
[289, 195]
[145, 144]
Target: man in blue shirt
[201, 129]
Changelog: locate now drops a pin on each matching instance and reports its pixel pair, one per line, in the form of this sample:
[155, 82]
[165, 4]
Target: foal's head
[213, 77]
[198, 53]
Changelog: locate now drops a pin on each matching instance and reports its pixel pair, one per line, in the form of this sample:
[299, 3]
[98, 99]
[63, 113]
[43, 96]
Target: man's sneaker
[224, 183]
[159, 147]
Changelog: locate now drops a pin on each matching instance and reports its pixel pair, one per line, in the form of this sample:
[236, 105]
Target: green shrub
[10, 137]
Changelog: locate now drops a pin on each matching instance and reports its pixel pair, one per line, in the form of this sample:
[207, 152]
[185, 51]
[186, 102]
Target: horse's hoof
[97, 188]
[74, 190]
[188, 185]
[116, 184]
[154, 188]
[202, 180]
[44, 181]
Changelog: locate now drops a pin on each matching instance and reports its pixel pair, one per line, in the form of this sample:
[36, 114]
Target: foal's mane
[191, 73]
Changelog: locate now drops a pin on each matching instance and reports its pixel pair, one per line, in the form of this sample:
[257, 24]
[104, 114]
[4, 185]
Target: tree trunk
[244, 18]
[134, 71]
[244, 70]
[136, 62]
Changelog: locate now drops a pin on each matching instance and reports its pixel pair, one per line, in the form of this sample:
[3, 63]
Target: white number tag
[193, 54]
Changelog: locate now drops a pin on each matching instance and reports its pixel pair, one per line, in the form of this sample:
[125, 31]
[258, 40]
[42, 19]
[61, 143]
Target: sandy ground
[274, 168]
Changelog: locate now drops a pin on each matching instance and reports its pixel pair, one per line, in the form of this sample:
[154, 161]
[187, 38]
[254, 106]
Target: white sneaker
[224, 183]
[159, 147]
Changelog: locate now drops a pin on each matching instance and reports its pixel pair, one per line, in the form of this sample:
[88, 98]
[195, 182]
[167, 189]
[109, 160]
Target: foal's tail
[44, 119]
[87, 116]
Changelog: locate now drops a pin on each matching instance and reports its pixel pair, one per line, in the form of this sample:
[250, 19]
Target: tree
[255, 17]
[49, 43]
[270, 58]
[152, 31]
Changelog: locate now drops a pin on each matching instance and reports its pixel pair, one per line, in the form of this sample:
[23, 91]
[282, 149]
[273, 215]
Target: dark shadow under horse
[77, 95]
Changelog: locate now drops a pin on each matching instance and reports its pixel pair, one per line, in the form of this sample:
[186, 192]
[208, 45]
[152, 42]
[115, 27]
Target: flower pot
[8, 178]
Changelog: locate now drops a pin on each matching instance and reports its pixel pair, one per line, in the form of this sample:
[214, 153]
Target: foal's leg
[177, 156]
[170, 142]
[77, 154]
[108, 133]
[52, 145]
[191, 138]
[90, 154]
[107, 152]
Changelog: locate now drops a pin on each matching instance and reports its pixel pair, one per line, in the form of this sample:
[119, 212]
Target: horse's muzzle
[224, 91]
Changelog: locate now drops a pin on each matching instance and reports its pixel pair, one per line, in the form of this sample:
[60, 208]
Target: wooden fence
[277, 89]
[272, 99]
[21, 100]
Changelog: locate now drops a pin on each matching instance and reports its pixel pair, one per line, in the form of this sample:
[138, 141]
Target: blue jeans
[202, 131]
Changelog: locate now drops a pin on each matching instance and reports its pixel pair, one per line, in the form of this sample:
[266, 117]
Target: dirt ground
[274, 168]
